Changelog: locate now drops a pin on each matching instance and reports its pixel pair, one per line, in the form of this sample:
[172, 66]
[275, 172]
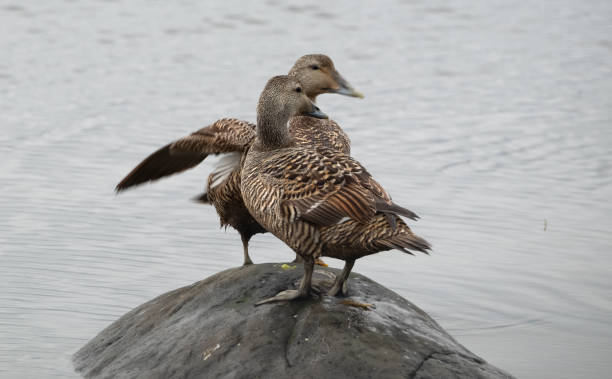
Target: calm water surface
[492, 120]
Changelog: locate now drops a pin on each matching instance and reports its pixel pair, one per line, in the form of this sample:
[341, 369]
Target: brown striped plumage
[318, 200]
[318, 75]
[309, 131]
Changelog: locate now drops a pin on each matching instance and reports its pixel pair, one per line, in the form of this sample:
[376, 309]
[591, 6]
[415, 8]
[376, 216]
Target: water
[492, 120]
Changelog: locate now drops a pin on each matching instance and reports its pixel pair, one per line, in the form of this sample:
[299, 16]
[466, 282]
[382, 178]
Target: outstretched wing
[223, 136]
[324, 186]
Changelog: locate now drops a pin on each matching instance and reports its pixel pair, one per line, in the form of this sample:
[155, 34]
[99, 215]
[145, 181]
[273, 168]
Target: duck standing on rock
[316, 199]
[232, 138]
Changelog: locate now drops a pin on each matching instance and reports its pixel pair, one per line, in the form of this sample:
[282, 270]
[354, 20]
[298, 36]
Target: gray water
[490, 119]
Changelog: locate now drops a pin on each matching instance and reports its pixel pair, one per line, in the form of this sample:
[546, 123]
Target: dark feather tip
[202, 198]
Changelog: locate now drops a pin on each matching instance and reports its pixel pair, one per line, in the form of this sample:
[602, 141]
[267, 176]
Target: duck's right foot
[283, 296]
[338, 288]
[247, 262]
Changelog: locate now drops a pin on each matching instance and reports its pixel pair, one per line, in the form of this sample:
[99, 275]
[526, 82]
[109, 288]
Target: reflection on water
[490, 121]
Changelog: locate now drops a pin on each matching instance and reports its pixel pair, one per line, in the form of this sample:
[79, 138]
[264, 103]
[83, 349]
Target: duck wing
[324, 186]
[223, 136]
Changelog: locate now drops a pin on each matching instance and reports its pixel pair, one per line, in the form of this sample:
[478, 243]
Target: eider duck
[318, 200]
[232, 138]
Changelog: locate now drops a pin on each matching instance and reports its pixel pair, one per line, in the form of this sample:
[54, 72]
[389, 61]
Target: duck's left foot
[247, 262]
[283, 296]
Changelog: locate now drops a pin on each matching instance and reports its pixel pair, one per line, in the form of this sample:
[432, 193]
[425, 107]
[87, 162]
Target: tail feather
[383, 206]
[202, 198]
[392, 245]
[406, 241]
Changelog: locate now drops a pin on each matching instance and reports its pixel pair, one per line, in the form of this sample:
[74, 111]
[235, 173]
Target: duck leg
[340, 283]
[245, 245]
[318, 261]
[302, 292]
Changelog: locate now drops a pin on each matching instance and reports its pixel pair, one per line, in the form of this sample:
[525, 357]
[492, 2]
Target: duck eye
[298, 90]
[314, 67]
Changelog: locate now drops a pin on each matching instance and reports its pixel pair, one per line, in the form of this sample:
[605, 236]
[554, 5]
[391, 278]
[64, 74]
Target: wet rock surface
[212, 329]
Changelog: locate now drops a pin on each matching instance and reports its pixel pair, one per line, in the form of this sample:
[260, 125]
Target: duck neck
[273, 133]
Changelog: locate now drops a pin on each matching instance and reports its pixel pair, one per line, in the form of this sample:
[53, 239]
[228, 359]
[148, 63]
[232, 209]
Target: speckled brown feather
[320, 185]
[223, 136]
[301, 194]
[309, 131]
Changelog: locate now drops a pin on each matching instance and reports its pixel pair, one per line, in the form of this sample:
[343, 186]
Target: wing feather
[323, 186]
[223, 136]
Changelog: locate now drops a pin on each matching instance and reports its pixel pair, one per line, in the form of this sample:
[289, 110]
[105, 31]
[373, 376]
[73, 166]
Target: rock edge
[212, 329]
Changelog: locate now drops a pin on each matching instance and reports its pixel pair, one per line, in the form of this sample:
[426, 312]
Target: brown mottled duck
[318, 200]
[232, 138]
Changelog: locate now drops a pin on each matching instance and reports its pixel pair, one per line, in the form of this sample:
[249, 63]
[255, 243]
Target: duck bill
[316, 112]
[344, 87]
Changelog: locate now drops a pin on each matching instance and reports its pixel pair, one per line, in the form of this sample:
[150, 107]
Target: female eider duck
[316, 199]
[232, 138]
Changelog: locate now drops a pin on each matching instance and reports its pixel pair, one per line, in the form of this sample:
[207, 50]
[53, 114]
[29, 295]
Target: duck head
[282, 98]
[318, 75]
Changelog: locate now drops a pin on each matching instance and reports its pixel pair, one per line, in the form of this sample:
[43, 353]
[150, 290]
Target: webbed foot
[303, 290]
[282, 296]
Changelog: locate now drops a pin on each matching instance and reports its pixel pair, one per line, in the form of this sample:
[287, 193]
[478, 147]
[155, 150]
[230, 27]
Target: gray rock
[211, 329]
